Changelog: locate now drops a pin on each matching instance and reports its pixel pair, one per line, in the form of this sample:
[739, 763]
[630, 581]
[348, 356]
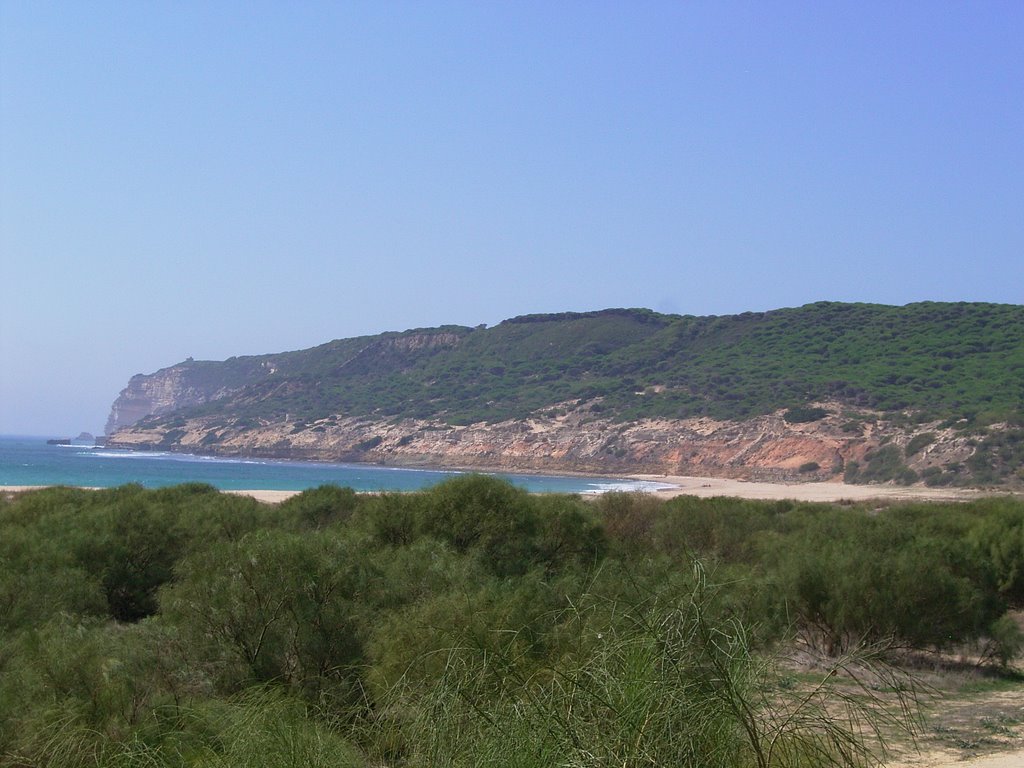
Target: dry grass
[969, 715]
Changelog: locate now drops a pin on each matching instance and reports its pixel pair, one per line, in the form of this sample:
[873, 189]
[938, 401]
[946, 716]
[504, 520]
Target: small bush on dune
[321, 506]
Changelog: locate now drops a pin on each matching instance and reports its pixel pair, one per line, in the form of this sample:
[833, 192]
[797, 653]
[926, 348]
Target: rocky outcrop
[152, 394]
[764, 448]
[167, 390]
[193, 383]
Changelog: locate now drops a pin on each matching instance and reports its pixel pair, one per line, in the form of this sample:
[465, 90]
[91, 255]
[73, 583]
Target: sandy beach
[707, 487]
[9, 489]
[266, 496]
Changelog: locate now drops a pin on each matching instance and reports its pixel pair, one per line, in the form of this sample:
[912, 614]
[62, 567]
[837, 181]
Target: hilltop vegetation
[934, 360]
[476, 624]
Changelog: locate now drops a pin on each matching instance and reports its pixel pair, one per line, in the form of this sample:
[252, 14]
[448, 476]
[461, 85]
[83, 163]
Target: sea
[31, 461]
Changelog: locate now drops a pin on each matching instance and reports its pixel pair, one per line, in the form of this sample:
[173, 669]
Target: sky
[213, 179]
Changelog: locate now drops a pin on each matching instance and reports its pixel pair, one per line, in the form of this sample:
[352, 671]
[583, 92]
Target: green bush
[804, 415]
[490, 516]
[883, 464]
[321, 506]
[919, 442]
[668, 683]
[274, 607]
[472, 622]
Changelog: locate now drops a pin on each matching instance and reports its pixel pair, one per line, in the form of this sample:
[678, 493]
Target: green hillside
[937, 360]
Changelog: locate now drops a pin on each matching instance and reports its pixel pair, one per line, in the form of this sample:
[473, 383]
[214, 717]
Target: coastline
[658, 484]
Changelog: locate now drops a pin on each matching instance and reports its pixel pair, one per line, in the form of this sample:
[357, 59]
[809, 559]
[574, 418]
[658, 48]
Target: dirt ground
[985, 730]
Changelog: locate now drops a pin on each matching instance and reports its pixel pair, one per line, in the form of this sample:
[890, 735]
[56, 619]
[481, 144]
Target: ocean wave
[628, 486]
[409, 469]
[222, 459]
[125, 454]
[169, 455]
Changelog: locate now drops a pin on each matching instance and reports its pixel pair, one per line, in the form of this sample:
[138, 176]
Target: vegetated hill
[939, 364]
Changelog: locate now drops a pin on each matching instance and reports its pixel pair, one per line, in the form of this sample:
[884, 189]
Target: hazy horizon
[218, 180]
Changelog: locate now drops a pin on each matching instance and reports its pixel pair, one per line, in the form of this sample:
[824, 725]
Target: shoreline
[700, 487]
[669, 486]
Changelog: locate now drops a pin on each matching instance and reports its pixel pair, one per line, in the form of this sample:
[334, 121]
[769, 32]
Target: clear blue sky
[215, 179]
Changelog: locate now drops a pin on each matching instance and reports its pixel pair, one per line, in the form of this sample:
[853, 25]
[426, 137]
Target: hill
[922, 377]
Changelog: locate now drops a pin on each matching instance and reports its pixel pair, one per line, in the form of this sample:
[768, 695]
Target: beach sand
[7, 490]
[269, 497]
[706, 487]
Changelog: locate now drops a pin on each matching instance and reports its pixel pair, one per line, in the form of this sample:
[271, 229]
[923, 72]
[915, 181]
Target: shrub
[321, 506]
[804, 415]
[274, 607]
[1006, 640]
[884, 464]
[918, 442]
[669, 683]
[369, 443]
[485, 514]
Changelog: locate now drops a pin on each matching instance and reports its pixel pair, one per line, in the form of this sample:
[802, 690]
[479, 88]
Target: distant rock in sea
[84, 438]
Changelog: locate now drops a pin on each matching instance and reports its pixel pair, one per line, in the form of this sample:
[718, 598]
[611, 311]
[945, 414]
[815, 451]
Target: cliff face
[263, 377]
[765, 448]
[153, 394]
[167, 390]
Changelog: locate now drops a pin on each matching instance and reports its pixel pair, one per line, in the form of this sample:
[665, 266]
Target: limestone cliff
[183, 385]
[154, 394]
[764, 448]
[264, 377]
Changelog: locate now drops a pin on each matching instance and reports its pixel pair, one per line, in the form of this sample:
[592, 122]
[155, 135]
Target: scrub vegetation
[963, 362]
[474, 624]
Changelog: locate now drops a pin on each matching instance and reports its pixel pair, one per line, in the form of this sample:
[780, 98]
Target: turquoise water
[30, 461]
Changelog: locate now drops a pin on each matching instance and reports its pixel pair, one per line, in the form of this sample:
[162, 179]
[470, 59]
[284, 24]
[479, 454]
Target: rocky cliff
[764, 448]
[155, 395]
[185, 385]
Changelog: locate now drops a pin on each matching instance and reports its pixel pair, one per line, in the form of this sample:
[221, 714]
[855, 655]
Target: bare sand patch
[947, 759]
[9, 490]
[269, 497]
[266, 496]
[706, 487]
[984, 730]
